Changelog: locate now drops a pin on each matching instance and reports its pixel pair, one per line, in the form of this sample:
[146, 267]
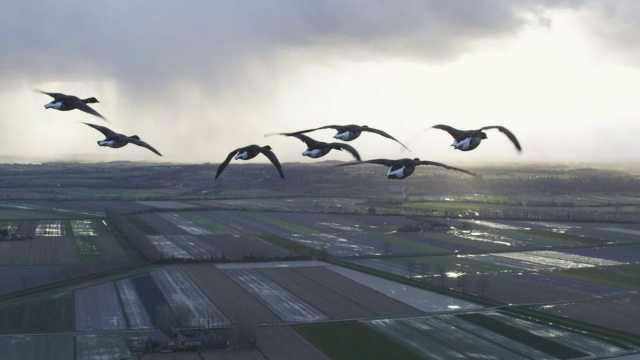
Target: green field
[296, 229]
[568, 237]
[211, 225]
[88, 249]
[352, 340]
[452, 238]
[538, 237]
[523, 336]
[418, 246]
[50, 314]
[605, 235]
[290, 245]
[450, 263]
[621, 276]
[444, 205]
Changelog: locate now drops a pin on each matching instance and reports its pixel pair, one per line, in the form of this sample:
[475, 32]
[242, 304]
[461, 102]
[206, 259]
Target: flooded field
[620, 313]
[83, 228]
[34, 347]
[494, 335]
[97, 308]
[49, 228]
[518, 262]
[185, 224]
[543, 260]
[420, 299]
[137, 315]
[103, 346]
[187, 299]
[287, 306]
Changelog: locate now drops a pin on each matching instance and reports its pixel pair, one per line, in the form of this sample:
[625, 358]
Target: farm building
[185, 340]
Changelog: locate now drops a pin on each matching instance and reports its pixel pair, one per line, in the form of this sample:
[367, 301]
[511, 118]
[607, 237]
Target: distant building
[7, 236]
[185, 340]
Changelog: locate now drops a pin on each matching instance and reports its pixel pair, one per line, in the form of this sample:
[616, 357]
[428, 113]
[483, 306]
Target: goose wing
[305, 131]
[274, 160]
[382, 133]
[104, 130]
[224, 164]
[139, 142]
[424, 162]
[385, 162]
[304, 138]
[349, 148]
[80, 105]
[453, 132]
[55, 96]
[506, 132]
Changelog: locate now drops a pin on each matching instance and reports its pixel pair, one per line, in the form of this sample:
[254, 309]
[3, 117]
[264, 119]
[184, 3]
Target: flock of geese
[464, 140]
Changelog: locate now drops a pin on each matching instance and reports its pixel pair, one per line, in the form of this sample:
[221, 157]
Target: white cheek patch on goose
[463, 144]
[242, 156]
[108, 143]
[54, 105]
[311, 153]
[343, 136]
[397, 173]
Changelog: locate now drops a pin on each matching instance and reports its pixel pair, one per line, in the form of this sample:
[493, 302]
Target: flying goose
[249, 152]
[402, 168]
[115, 140]
[467, 140]
[346, 132]
[64, 102]
[316, 149]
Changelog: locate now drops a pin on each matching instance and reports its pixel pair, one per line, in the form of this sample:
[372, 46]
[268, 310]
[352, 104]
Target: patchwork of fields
[302, 307]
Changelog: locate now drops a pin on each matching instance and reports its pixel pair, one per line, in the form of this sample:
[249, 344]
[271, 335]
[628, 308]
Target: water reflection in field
[489, 238]
[544, 260]
[49, 228]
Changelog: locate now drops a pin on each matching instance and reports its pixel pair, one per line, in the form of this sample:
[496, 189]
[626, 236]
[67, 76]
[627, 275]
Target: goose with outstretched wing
[249, 152]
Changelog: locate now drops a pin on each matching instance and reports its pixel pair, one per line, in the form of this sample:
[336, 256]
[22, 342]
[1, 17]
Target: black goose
[249, 152]
[64, 102]
[467, 140]
[316, 149]
[402, 168]
[347, 132]
[115, 140]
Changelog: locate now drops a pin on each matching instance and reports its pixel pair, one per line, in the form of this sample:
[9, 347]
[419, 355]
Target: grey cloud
[193, 72]
[615, 26]
[157, 42]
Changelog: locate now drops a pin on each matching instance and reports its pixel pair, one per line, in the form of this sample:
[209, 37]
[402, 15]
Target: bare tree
[165, 317]
[411, 266]
[184, 315]
[245, 332]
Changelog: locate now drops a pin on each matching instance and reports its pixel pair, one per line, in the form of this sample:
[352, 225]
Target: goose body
[115, 140]
[467, 140]
[346, 132]
[65, 102]
[316, 149]
[403, 168]
[249, 152]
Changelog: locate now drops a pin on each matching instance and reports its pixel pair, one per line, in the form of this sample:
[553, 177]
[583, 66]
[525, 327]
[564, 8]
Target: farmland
[522, 263]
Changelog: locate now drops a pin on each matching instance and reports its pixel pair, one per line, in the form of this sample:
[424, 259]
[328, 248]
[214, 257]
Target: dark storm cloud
[150, 43]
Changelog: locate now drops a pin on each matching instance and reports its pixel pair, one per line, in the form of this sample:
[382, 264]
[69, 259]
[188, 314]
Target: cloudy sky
[197, 79]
